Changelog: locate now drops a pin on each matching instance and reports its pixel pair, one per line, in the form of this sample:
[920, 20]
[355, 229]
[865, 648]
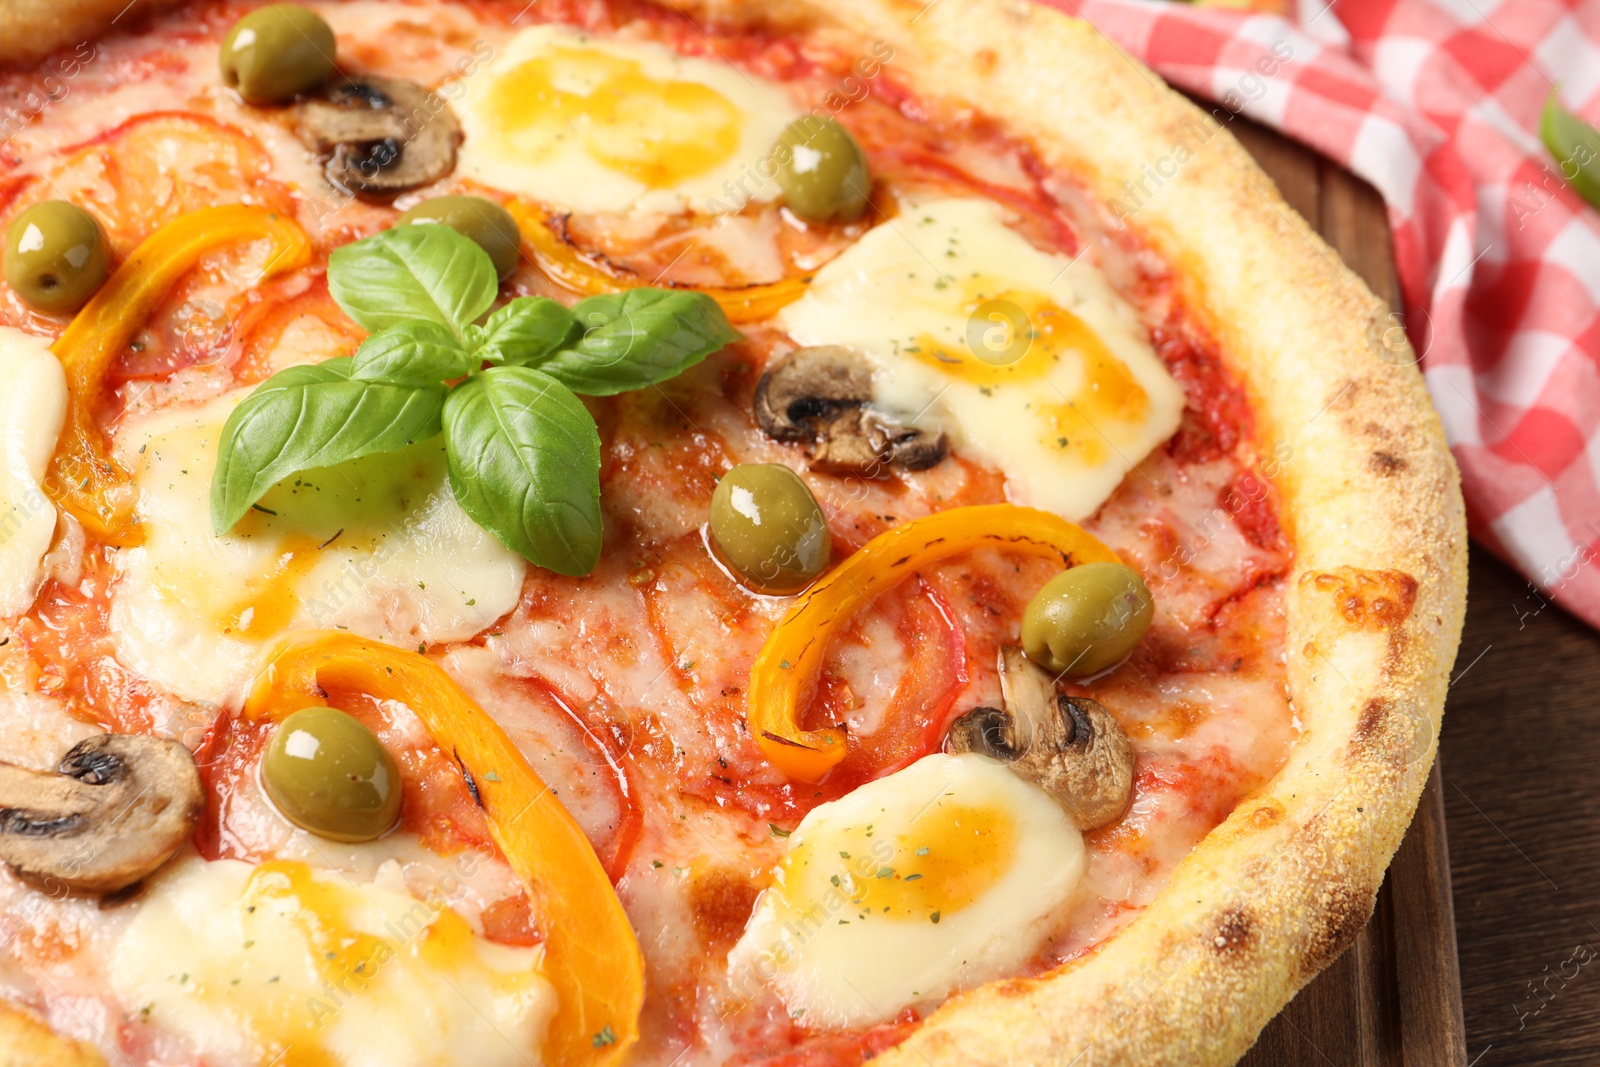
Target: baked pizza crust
[32, 29]
[1370, 497]
[25, 1041]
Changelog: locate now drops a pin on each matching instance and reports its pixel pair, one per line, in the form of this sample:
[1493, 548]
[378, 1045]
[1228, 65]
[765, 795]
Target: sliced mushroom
[823, 395]
[1070, 746]
[117, 807]
[380, 136]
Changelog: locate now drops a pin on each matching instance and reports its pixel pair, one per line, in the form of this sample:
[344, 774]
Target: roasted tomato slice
[918, 712]
[239, 821]
[894, 677]
[149, 170]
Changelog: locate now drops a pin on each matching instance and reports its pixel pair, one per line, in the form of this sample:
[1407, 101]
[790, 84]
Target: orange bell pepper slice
[84, 478]
[591, 953]
[788, 664]
[561, 262]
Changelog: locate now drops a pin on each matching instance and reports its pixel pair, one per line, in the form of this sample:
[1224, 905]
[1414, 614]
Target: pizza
[583, 531]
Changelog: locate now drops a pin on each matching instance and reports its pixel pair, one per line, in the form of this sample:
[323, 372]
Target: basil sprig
[1575, 146]
[523, 451]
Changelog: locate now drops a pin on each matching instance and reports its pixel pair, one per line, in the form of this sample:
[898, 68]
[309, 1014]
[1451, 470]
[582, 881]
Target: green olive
[1087, 618]
[56, 256]
[485, 221]
[822, 170]
[329, 774]
[277, 52]
[767, 527]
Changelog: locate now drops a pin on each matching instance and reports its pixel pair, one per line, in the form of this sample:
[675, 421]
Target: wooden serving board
[1394, 999]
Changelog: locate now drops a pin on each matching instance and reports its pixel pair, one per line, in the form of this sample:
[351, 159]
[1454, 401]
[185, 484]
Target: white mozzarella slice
[33, 406]
[614, 125]
[278, 963]
[1029, 360]
[936, 878]
[377, 546]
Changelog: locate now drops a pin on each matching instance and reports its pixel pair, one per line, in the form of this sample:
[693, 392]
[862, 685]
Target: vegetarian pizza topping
[894, 893]
[523, 451]
[56, 256]
[591, 956]
[117, 807]
[84, 479]
[822, 396]
[1087, 619]
[231, 957]
[485, 221]
[1071, 747]
[33, 407]
[379, 137]
[793, 655]
[277, 52]
[768, 528]
[822, 170]
[1026, 359]
[329, 774]
[585, 123]
[564, 263]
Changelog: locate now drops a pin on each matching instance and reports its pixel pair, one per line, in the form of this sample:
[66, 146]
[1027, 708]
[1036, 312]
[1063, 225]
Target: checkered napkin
[1437, 104]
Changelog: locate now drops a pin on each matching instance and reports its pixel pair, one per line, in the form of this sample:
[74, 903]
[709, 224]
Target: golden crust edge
[26, 1041]
[1283, 885]
[31, 30]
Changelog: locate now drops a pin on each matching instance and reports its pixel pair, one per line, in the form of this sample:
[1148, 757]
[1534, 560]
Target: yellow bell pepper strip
[84, 478]
[591, 953]
[792, 658]
[564, 264]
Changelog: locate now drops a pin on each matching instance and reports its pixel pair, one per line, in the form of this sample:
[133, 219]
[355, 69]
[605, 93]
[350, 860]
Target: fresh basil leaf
[524, 460]
[1576, 147]
[413, 272]
[525, 331]
[417, 352]
[637, 338]
[313, 416]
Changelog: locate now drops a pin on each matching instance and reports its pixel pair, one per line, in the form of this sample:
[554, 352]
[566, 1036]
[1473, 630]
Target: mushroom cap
[117, 807]
[380, 136]
[823, 395]
[1072, 747]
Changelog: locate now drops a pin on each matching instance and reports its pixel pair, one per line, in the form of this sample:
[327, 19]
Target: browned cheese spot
[1266, 815]
[721, 900]
[1366, 599]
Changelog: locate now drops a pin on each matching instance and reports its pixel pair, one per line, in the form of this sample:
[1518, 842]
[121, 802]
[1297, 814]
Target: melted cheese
[33, 406]
[279, 964]
[936, 878]
[594, 125]
[1029, 360]
[377, 546]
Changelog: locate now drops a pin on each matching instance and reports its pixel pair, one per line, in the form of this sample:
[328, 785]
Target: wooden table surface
[1521, 748]
[1516, 820]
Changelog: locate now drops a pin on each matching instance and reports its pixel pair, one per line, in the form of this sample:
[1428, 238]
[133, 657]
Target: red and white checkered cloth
[1437, 104]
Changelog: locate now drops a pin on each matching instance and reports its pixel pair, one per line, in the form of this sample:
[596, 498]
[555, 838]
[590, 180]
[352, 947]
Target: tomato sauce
[66, 637]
